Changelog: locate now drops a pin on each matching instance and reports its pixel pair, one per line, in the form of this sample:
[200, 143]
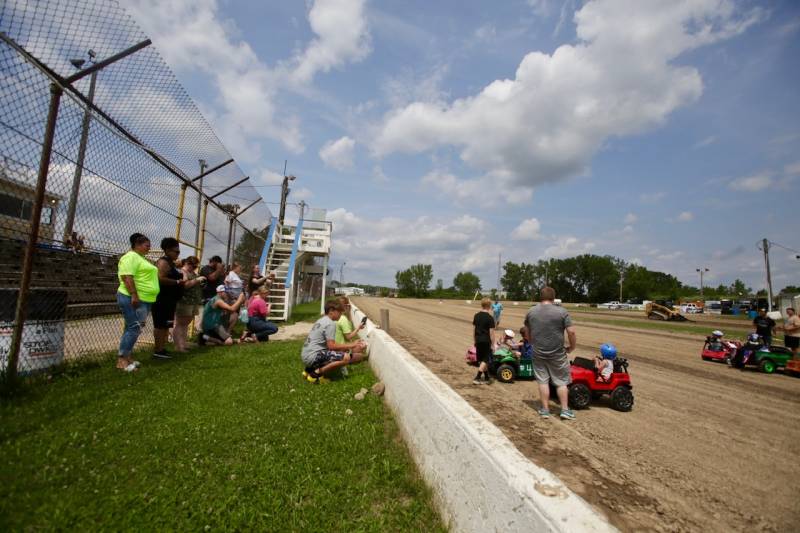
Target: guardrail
[298, 236]
[262, 262]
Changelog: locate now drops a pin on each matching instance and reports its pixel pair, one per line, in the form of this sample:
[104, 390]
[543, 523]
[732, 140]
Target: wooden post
[385, 320]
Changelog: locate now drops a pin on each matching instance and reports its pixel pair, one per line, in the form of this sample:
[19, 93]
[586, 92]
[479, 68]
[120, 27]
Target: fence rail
[98, 140]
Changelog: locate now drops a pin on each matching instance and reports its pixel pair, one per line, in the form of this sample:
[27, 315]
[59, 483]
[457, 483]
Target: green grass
[223, 439]
[307, 312]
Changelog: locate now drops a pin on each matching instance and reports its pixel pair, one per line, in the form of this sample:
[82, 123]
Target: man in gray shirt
[546, 323]
[321, 354]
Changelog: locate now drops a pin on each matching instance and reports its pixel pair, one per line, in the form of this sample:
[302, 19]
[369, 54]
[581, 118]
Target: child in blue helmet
[604, 363]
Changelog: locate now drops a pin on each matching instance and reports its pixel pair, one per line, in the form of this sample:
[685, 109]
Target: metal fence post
[30, 248]
[385, 320]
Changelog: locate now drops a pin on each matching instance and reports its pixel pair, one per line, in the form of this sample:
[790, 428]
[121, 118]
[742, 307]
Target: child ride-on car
[715, 348]
[585, 385]
[507, 367]
[755, 353]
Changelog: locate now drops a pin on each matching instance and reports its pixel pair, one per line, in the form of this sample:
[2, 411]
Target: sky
[454, 133]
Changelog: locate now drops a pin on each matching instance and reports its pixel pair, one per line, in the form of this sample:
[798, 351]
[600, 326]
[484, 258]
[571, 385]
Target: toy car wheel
[506, 373]
[705, 358]
[579, 396]
[767, 366]
[622, 399]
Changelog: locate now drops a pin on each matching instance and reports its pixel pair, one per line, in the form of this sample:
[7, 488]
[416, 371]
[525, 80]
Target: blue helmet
[608, 351]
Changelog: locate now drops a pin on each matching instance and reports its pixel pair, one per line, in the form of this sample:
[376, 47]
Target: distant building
[349, 291]
[16, 207]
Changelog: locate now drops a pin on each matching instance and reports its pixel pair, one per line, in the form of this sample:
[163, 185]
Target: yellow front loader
[656, 311]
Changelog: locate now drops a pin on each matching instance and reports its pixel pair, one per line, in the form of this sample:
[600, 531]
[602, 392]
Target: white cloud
[685, 216]
[303, 193]
[379, 175]
[487, 32]
[627, 229]
[342, 37]
[338, 154]
[652, 197]
[705, 142]
[754, 183]
[568, 246]
[547, 122]
[528, 230]
[792, 169]
[465, 191]
[669, 256]
[192, 35]
[630, 218]
[377, 248]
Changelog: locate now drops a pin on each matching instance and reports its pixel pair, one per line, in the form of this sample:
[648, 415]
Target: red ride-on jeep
[715, 348]
[585, 387]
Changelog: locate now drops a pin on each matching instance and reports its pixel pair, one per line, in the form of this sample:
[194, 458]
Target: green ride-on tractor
[506, 367]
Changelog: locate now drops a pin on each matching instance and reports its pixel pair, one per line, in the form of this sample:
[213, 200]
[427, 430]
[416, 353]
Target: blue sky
[665, 133]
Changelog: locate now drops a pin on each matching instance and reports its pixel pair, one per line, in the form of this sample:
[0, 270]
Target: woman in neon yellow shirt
[138, 288]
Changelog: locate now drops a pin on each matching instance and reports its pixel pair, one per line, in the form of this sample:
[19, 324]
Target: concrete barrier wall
[480, 480]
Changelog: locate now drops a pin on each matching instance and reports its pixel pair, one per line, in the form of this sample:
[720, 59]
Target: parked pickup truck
[691, 309]
[612, 305]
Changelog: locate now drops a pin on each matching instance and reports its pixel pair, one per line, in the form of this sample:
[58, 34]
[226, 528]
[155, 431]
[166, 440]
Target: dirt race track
[706, 447]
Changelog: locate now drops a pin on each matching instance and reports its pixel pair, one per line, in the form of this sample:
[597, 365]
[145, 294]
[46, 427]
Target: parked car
[691, 308]
[612, 305]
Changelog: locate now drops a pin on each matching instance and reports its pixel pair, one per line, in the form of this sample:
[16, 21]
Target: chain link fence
[129, 152]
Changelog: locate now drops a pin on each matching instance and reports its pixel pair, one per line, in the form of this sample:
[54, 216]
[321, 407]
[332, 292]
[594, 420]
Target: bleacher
[89, 278]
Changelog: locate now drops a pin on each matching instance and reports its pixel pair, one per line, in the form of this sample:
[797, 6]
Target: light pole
[341, 273]
[621, 278]
[203, 167]
[87, 116]
[284, 195]
[702, 271]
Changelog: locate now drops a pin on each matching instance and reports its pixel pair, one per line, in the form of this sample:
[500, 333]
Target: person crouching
[321, 353]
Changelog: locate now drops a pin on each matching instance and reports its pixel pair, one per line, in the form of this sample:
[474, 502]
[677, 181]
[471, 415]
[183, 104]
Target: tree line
[584, 278]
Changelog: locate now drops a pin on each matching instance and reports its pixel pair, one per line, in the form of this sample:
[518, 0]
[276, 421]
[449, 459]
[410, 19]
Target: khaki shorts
[187, 310]
[555, 371]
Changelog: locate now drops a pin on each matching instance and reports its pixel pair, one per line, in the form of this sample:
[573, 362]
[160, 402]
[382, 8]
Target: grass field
[223, 439]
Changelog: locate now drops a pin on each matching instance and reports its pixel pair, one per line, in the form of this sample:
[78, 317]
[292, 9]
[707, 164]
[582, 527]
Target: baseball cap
[220, 288]
[509, 333]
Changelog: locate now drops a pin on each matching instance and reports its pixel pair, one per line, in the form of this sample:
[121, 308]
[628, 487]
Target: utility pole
[87, 116]
[702, 271]
[499, 260]
[302, 205]
[203, 167]
[621, 278]
[765, 246]
[341, 273]
[284, 192]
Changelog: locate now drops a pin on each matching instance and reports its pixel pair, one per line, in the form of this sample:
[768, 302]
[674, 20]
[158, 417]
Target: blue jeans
[135, 319]
[261, 328]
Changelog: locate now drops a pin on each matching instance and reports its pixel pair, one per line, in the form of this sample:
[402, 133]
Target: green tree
[466, 283]
[414, 281]
[518, 280]
[421, 275]
[738, 288]
[249, 247]
[791, 289]
[405, 284]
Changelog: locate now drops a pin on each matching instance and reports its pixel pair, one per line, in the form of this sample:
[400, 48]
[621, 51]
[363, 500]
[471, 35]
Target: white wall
[480, 480]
